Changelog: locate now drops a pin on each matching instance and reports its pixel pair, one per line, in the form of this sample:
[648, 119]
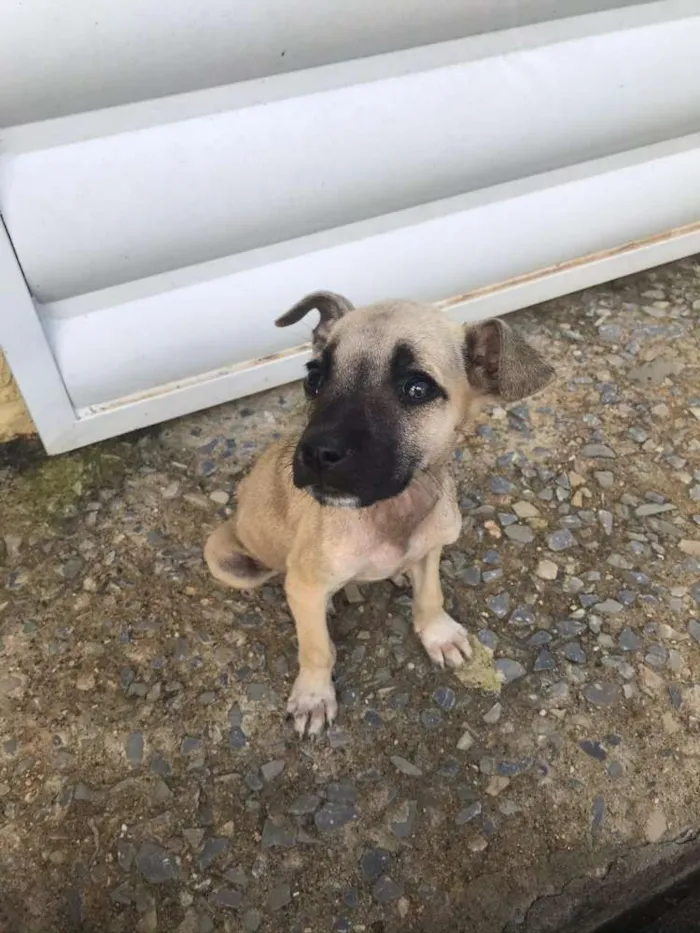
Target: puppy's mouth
[333, 499]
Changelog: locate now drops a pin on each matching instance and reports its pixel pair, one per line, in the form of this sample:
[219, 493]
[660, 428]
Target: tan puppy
[364, 493]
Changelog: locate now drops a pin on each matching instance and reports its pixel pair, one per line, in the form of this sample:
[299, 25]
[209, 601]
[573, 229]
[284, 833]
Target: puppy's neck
[397, 518]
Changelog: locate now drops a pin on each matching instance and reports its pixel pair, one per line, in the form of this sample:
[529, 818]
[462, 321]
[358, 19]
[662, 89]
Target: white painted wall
[136, 337]
[160, 239]
[222, 172]
[59, 57]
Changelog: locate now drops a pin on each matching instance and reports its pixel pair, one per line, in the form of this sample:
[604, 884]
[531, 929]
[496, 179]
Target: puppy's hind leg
[229, 562]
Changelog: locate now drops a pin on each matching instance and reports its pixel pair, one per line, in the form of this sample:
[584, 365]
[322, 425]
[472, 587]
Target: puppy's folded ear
[330, 306]
[500, 363]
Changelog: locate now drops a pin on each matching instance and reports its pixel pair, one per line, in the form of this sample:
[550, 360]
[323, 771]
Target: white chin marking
[336, 500]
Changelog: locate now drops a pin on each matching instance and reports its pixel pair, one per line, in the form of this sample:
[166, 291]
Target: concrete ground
[149, 781]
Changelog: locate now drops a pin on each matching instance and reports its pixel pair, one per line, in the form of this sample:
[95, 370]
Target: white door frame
[62, 427]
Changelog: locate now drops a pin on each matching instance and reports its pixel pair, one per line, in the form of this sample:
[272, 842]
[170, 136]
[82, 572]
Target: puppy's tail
[229, 562]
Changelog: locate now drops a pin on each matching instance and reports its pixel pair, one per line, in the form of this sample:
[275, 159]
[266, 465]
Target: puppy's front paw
[446, 641]
[312, 703]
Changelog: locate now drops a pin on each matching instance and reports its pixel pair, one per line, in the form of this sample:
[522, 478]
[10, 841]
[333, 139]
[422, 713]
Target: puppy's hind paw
[446, 641]
[312, 705]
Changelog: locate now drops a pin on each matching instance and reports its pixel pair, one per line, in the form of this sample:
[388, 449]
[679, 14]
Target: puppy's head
[389, 384]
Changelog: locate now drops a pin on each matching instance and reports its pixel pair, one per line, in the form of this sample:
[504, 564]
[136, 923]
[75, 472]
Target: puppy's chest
[378, 556]
[383, 560]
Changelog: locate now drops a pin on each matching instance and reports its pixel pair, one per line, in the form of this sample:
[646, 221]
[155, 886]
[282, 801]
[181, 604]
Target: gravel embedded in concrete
[148, 778]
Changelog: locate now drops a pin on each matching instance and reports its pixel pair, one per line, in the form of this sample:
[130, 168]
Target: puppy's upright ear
[500, 363]
[330, 306]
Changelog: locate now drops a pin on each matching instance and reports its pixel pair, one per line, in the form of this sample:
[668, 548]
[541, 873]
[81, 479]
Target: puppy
[364, 492]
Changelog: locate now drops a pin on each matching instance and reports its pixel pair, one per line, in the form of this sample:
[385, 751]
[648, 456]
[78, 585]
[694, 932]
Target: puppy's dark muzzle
[348, 454]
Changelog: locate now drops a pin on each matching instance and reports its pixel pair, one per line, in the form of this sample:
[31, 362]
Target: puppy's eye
[314, 379]
[419, 388]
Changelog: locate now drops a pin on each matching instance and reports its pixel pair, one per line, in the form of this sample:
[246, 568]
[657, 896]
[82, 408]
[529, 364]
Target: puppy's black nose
[323, 453]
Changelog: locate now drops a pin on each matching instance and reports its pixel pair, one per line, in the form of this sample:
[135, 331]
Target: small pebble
[236, 738]
[374, 863]
[279, 897]
[497, 785]
[467, 814]
[509, 670]
[606, 520]
[514, 768]
[609, 607]
[500, 486]
[306, 804]
[521, 534]
[431, 718]
[489, 576]
[597, 813]
[212, 850]
[334, 815]
[574, 652]
[598, 452]
[526, 510]
[594, 749]
[271, 770]
[649, 509]
[134, 748]
[615, 770]
[547, 570]
[228, 898]
[488, 638]
[657, 656]
[499, 604]
[471, 576]
[570, 628]
[353, 594]
[602, 694]
[544, 661]
[655, 826]
[277, 835]
[444, 697]
[561, 540]
[251, 920]
[156, 864]
[630, 641]
[386, 890]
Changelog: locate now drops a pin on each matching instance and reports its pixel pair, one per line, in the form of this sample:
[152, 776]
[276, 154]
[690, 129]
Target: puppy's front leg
[445, 640]
[312, 702]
